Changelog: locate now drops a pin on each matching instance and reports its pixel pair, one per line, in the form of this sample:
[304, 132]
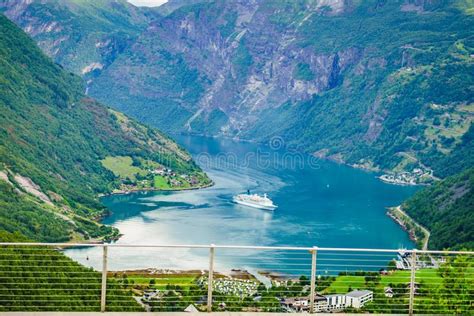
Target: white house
[336, 302]
[303, 303]
[388, 291]
[359, 298]
[320, 303]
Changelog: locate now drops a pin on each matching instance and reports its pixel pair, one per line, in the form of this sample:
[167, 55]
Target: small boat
[255, 201]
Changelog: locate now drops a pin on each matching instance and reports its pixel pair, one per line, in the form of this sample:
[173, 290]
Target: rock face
[365, 82]
[79, 35]
[242, 62]
[29, 186]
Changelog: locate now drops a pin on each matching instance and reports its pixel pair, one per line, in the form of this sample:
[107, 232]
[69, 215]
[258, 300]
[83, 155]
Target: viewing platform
[47, 279]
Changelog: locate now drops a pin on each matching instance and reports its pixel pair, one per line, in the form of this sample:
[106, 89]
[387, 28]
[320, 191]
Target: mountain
[377, 84]
[446, 210]
[83, 36]
[59, 149]
[172, 5]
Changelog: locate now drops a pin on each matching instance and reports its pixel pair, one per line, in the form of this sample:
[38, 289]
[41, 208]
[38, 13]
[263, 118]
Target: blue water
[320, 204]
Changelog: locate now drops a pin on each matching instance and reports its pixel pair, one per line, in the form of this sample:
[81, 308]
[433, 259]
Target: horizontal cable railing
[41, 277]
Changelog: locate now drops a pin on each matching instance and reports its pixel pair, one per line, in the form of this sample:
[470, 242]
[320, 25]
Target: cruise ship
[255, 200]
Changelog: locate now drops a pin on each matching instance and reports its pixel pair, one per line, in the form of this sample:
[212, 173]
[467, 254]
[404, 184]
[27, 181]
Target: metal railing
[39, 277]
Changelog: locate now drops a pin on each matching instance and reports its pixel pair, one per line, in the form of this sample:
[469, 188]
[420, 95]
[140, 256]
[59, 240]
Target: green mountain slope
[446, 210]
[42, 279]
[55, 142]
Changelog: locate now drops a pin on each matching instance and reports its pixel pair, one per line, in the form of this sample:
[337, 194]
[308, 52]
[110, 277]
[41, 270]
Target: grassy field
[156, 281]
[342, 284]
[160, 182]
[122, 167]
[454, 125]
[467, 108]
[428, 279]
[161, 282]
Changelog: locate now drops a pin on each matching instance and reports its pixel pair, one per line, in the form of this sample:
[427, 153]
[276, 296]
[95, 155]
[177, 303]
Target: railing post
[103, 294]
[412, 282]
[209, 279]
[313, 279]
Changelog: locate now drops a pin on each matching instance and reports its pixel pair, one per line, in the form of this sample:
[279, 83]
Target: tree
[304, 280]
[458, 284]
[392, 266]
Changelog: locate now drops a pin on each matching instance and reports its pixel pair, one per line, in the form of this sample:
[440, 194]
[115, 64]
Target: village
[158, 178]
[355, 291]
[417, 176]
[251, 295]
[231, 286]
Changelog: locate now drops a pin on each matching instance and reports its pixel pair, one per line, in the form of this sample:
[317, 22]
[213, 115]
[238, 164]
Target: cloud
[147, 3]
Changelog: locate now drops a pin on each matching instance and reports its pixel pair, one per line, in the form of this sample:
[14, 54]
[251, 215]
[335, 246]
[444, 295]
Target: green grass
[160, 182]
[467, 6]
[404, 162]
[467, 108]
[342, 284]
[122, 167]
[142, 281]
[184, 282]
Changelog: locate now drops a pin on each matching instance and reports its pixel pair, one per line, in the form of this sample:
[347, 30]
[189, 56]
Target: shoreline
[104, 215]
[400, 183]
[410, 226]
[121, 192]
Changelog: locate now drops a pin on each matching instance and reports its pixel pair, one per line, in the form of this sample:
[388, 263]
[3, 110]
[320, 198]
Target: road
[426, 231]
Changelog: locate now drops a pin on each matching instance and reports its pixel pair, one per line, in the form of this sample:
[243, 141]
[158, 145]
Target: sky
[148, 3]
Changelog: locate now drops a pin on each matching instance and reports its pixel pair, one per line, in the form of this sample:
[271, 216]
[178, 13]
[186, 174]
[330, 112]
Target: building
[336, 302]
[355, 299]
[148, 295]
[359, 298]
[296, 303]
[320, 303]
[388, 291]
[329, 303]
[302, 303]
[191, 309]
[403, 261]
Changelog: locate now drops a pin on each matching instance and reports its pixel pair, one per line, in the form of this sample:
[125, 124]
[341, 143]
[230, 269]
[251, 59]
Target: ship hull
[259, 206]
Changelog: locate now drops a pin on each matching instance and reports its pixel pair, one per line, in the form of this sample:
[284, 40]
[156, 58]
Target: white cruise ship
[255, 200]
